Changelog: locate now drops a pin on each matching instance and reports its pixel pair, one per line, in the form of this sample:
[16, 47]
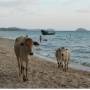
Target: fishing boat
[47, 32]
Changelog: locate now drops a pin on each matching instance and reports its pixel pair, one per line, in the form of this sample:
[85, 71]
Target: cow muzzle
[31, 53]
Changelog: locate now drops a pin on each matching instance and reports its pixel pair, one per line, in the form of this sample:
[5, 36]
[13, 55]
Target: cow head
[29, 44]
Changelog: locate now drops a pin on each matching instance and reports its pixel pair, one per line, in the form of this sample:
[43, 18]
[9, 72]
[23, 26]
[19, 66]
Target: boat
[47, 32]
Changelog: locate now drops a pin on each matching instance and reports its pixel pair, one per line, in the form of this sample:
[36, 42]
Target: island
[17, 29]
[81, 30]
[11, 29]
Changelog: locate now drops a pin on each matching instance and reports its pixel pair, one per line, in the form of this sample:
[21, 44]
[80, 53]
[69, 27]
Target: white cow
[63, 57]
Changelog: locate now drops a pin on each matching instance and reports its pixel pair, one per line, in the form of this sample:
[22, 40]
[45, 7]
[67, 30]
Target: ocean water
[77, 42]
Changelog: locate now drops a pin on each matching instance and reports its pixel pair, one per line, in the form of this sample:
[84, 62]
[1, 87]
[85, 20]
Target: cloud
[83, 11]
[69, 2]
[8, 3]
[17, 3]
[43, 12]
[18, 7]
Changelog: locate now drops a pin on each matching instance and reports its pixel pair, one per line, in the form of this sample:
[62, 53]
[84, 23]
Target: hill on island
[11, 29]
[81, 29]
[17, 29]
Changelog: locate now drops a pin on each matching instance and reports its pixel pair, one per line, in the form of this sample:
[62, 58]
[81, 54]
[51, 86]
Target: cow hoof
[25, 79]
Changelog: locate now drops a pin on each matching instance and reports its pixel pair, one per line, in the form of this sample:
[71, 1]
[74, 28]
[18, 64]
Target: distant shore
[41, 73]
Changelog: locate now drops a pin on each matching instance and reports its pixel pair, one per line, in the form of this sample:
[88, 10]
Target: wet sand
[41, 73]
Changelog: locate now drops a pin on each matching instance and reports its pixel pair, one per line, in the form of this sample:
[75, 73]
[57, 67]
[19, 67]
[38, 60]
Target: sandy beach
[41, 73]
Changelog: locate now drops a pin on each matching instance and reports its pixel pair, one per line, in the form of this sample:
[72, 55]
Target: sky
[56, 14]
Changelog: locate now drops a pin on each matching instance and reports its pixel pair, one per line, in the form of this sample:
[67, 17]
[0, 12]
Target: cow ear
[59, 49]
[22, 44]
[29, 42]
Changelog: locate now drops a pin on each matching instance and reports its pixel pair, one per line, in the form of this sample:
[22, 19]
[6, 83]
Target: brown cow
[23, 48]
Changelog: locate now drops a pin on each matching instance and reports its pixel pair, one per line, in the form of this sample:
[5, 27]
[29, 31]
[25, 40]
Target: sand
[41, 73]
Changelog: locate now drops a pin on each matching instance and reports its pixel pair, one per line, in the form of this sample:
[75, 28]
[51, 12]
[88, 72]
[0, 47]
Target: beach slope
[41, 73]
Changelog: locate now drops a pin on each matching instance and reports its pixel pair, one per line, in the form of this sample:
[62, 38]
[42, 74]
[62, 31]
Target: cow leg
[24, 68]
[67, 65]
[23, 72]
[58, 65]
[65, 68]
[19, 66]
[61, 65]
[27, 70]
[58, 62]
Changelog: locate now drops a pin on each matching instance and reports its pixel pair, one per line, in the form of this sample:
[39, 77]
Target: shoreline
[71, 65]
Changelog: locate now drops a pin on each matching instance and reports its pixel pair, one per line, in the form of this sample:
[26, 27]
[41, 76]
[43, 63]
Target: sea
[77, 42]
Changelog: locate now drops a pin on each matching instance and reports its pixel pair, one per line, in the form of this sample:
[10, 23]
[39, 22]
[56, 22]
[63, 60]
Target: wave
[86, 64]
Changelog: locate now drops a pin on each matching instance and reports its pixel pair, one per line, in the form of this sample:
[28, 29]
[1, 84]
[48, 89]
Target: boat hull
[47, 32]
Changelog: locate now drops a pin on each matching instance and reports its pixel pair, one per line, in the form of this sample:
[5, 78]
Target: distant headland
[81, 30]
[17, 29]
[11, 29]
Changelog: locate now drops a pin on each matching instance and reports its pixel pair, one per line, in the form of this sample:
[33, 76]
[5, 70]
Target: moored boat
[47, 32]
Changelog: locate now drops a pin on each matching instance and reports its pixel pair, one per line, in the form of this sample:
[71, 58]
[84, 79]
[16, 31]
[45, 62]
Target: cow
[63, 57]
[23, 48]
